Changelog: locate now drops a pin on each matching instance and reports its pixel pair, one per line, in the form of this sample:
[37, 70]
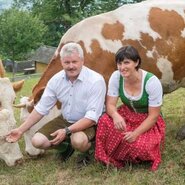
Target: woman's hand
[130, 136]
[119, 122]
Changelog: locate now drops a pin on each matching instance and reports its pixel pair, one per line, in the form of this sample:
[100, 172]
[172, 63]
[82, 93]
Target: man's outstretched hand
[13, 136]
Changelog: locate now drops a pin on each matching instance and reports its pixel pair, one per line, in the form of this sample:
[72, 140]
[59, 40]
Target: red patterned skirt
[112, 149]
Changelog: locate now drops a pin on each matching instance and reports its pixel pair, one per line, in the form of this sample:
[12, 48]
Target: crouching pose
[135, 131]
[81, 92]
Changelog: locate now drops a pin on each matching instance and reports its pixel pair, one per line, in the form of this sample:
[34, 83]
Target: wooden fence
[24, 77]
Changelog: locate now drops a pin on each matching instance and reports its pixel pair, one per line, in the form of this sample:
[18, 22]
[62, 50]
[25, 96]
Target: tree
[20, 32]
[58, 15]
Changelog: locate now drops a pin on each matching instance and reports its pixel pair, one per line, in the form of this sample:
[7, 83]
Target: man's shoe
[64, 155]
[83, 159]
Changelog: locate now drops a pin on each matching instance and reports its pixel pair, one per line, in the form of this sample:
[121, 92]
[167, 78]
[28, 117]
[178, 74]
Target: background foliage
[20, 33]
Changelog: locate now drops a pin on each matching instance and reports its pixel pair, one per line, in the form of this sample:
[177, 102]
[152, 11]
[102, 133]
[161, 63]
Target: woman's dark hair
[128, 52]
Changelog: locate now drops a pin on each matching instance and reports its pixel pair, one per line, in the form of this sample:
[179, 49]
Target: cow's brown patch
[53, 67]
[113, 31]
[99, 60]
[169, 25]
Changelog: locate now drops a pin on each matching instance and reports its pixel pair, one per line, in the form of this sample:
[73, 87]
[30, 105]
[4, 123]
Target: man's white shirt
[84, 98]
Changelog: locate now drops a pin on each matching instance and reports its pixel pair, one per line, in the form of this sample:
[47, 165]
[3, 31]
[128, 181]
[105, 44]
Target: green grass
[49, 171]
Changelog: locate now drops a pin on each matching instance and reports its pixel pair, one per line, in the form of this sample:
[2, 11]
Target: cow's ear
[17, 86]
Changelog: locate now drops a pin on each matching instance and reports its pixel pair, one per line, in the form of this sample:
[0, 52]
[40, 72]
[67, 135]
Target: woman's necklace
[133, 86]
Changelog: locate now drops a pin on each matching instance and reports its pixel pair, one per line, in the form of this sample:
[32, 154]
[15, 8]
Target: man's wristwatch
[68, 132]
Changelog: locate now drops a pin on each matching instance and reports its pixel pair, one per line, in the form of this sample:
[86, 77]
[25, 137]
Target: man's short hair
[69, 48]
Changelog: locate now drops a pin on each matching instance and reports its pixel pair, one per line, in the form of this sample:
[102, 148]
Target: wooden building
[42, 57]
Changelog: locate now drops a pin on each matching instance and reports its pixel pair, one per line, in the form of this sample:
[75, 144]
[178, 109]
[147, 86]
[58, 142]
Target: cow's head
[10, 153]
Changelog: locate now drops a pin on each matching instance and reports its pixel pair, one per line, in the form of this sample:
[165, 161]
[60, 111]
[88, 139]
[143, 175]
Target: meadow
[47, 170]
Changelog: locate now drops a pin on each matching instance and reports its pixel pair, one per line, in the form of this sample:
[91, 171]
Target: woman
[135, 131]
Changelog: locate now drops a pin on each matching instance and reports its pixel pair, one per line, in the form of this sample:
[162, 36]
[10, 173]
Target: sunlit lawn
[50, 171]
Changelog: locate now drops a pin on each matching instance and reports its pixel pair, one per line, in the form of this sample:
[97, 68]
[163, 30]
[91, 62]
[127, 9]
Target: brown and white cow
[9, 152]
[155, 28]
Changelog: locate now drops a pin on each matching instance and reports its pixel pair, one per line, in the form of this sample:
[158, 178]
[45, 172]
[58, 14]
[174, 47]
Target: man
[81, 92]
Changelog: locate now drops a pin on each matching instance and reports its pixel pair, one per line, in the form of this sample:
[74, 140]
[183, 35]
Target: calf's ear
[17, 86]
[2, 70]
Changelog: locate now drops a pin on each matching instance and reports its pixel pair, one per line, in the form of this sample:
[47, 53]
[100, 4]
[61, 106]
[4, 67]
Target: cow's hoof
[19, 162]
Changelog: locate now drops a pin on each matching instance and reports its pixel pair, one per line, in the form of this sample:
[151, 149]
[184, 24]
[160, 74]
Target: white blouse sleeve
[113, 85]
[155, 91]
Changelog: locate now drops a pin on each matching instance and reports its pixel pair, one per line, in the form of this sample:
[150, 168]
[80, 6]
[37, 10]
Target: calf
[9, 152]
[25, 106]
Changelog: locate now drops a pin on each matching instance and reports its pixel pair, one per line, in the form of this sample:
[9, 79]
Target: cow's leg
[29, 148]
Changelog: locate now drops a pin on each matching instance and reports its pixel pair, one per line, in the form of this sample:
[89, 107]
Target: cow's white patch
[150, 53]
[165, 66]
[134, 24]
